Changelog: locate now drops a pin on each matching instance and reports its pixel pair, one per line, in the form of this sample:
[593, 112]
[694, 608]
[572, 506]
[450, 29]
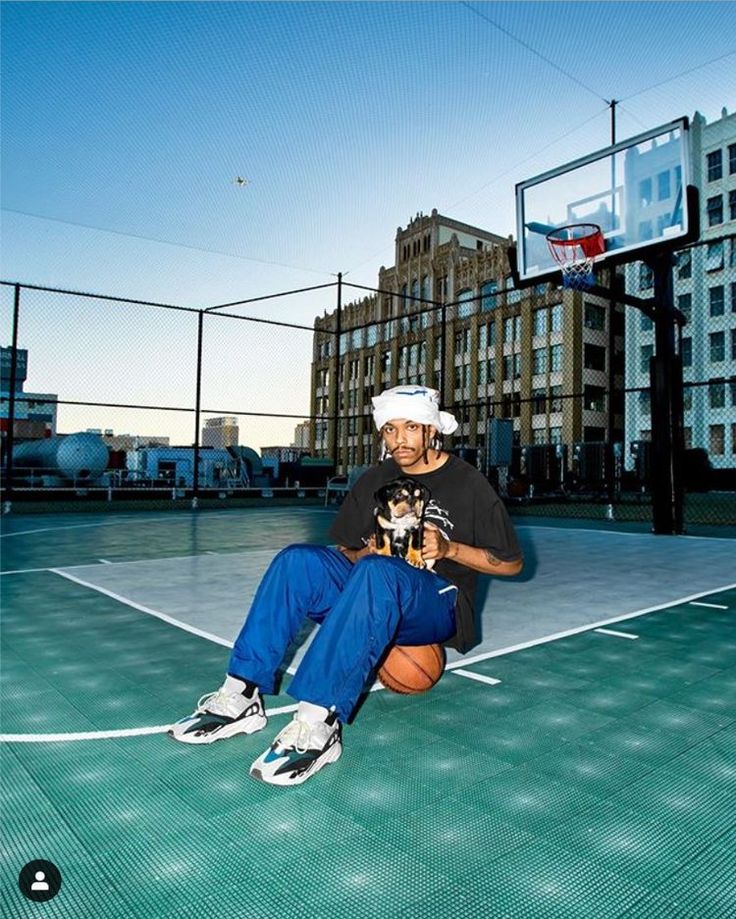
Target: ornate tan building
[538, 356]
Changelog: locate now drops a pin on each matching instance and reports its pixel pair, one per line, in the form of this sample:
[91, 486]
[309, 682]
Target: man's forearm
[482, 560]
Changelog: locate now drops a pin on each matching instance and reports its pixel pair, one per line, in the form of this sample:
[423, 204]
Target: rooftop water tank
[73, 456]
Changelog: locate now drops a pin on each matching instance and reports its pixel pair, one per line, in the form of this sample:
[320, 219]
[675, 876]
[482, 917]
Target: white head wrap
[414, 403]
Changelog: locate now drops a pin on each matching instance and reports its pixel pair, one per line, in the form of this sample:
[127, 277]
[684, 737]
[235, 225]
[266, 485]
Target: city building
[220, 432]
[705, 292]
[302, 433]
[127, 442]
[446, 315]
[34, 413]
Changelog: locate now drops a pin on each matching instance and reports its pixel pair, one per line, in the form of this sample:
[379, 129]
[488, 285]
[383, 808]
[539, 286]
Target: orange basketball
[412, 669]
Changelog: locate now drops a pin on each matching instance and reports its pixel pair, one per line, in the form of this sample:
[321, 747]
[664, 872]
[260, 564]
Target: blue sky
[124, 125]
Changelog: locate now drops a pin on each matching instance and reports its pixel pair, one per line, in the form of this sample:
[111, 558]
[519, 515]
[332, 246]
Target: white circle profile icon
[40, 882]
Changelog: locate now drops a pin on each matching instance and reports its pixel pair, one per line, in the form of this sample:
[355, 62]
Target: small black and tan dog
[399, 527]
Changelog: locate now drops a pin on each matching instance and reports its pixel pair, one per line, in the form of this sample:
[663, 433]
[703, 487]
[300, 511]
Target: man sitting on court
[363, 601]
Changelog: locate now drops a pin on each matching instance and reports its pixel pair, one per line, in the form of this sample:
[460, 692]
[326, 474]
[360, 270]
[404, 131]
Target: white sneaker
[221, 714]
[299, 750]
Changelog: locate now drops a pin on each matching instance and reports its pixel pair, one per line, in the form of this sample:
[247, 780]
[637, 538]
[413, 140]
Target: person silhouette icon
[40, 882]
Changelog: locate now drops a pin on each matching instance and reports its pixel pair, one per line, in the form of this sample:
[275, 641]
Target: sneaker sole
[332, 755]
[250, 726]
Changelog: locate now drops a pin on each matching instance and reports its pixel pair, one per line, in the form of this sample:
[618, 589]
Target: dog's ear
[382, 494]
[424, 492]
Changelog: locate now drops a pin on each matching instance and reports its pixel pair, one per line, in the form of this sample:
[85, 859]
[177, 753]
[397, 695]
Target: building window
[539, 436]
[717, 394]
[594, 316]
[555, 399]
[539, 322]
[555, 435]
[717, 347]
[716, 300]
[491, 374]
[512, 294]
[684, 262]
[645, 402]
[732, 204]
[539, 360]
[645, 193]
[733, 344]
[488, 291]
[714, 256]
[594, 357]
[462, 341]
[466, 303]
[595, 398]
[732, 158]
[539, 401]
[714, 209]
[687, 398]
[645, 323]
[646, 352]
[511, 328]
[663, 185]
[555, 316]
[715, 165]
[555, 357]
[685, 305]
[686, 352]
[716, 439]
[512, 366]
[424, 290]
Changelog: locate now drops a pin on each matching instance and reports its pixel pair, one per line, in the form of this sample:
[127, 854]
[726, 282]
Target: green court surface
[596, 779]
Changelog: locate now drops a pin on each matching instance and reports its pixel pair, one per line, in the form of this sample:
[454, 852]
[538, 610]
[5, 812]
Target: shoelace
[220, 703]
[296, 734]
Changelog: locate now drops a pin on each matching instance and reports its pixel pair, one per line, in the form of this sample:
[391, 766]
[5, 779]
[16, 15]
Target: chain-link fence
[110, 401]
[551, 389]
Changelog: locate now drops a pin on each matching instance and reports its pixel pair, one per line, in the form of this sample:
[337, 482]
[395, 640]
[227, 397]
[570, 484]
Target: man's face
[406, 442]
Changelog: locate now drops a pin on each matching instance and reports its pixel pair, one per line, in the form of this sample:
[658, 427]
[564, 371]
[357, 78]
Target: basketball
[411, 669]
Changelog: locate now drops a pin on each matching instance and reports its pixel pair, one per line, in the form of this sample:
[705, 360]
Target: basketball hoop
[574, 247]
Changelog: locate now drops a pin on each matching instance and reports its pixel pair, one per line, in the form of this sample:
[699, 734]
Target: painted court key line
[616, 634]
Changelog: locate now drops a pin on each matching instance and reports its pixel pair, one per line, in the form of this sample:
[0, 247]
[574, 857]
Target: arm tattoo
[491, 558]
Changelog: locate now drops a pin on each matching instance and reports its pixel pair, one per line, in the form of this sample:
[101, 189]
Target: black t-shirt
[463, 506]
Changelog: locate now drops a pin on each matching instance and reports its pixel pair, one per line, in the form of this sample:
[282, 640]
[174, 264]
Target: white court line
[582, 628]
[105, 561]
[108, 735]
[74, 526]
[492, 681]
[22, 571]
[710, 605]
[145, 609]
[616, 634]
[549, 526]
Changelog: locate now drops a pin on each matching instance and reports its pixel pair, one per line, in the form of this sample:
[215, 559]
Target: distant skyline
[126, 125]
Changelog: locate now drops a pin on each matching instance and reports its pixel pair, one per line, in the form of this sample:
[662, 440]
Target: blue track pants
[361, 608]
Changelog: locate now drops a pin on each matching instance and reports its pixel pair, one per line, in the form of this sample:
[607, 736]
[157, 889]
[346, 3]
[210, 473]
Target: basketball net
[574, 248]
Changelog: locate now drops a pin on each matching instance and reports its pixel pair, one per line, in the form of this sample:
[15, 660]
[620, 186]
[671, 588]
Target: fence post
[10, 439]
[336, 381]
[443, 351]
[197, 409]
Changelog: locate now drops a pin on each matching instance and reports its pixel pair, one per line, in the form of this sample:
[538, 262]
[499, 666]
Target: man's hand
[434, 545]
[354, 554]
[483, 560]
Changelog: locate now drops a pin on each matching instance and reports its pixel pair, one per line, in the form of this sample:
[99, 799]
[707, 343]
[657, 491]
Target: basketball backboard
[635, 190]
